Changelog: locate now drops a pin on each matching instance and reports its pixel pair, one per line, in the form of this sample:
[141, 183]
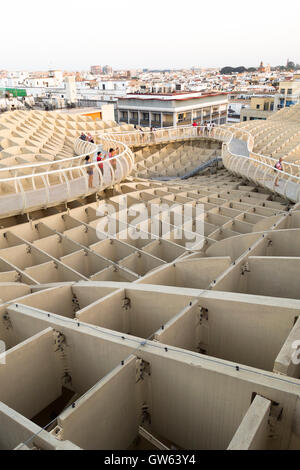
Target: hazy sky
[74, 35]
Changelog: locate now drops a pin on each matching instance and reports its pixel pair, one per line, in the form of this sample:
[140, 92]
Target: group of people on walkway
[86, 137]
[99, 160]
[207, 127]
[91, 161]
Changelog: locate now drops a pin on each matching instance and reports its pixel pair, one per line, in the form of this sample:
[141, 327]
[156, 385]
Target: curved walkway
[40, 185]
[239, 147]
[259, 169]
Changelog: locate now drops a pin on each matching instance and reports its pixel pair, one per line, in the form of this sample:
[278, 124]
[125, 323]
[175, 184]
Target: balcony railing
[288, 96]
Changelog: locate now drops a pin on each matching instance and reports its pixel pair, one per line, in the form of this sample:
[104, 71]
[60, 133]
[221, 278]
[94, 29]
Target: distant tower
[71, 90]
[261, 67]
[96, 69]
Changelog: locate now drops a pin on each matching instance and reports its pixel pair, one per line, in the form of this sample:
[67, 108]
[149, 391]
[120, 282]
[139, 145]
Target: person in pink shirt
[279, 167]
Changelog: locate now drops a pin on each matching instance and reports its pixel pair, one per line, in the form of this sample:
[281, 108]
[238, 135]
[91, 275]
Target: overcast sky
[73, 34]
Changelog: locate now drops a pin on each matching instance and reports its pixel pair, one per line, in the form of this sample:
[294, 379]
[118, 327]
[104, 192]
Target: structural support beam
[253, 430]
[150, 438]
[288, 360]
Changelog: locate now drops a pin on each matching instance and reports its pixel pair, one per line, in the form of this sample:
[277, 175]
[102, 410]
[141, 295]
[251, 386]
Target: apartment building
[261, 107]
[172, 109]
[289, 93]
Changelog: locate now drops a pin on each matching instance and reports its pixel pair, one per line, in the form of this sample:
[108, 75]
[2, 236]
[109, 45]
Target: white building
[165, 110]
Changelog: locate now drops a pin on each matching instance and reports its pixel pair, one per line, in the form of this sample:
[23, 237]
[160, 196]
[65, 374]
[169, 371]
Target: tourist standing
[111, 155]
[278, 167]
[90, 171]
[100, 161]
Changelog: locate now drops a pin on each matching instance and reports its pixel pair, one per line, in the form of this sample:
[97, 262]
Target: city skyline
[147, 68]
[161, 36]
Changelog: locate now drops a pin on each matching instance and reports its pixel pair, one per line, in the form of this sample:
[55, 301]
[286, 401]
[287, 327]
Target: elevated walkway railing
[43, 184]
[260, 169]
[237, 154]
[26, 187]
[171, 134]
